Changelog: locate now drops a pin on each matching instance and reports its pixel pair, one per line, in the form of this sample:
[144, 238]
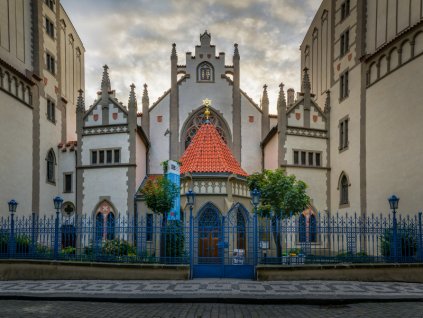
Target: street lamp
[190, 201]
[255, 198]
[12, 206]
[393, 202]
[58, 201]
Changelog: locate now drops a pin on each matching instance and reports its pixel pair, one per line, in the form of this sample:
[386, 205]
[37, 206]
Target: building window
[343, 86]
[307, 158]
[307, 228]
[345, 9]
[149, 227]
[50, 28]
[345, 42]
[67, 186]
[343, 134]
[105, 156]
[51, 162]
[51, 111]
[50, 62]
[344, 190]
[205, 72]
[50, 4]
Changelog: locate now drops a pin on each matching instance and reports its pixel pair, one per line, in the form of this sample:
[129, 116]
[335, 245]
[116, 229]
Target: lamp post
[190, 195]
[58, 201]
[255, 200]
[393, 204]
[12, 243]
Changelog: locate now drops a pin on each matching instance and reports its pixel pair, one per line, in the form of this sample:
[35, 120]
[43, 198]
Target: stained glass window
[205, 72]
[198, 120]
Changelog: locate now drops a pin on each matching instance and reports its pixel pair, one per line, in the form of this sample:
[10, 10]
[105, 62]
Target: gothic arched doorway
[105, 222]
[209, 232]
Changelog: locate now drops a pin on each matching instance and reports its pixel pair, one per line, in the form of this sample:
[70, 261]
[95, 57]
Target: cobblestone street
[46, 309]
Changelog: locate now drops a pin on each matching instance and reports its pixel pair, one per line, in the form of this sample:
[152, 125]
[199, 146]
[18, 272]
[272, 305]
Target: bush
[175, 239]
[406, 240]
[69, 250]
[117, 247]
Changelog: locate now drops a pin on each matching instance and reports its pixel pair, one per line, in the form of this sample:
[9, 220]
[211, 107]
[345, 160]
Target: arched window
[51, 162]
[302, 228]
[344, 190]
[198, 119]
[307, 226]
[105, 222]
[205, 72]
[312, 226]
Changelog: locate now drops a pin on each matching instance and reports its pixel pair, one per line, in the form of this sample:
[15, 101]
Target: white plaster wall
[347, 160]
[105, 182]
[319, 123]
[141, 160]
[159, 150]
[271, 153]
[16, 34]
[305, 143]
[251, 153]
[121, 118]
[105, 142]
[292, 119]
[394, 140]
[316, 182]
[387, 18]
[50, 137]
[15, 155]
[89, 120]
[67, 164]
[192, 94]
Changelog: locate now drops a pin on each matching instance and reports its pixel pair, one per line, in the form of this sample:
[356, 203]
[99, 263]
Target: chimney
[291, 97]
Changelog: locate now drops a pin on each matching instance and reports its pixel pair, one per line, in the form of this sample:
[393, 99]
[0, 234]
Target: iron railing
[301, 239]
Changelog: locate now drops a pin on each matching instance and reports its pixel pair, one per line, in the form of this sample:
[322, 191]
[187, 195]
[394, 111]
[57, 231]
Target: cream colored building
[368, 54]
[41, 70]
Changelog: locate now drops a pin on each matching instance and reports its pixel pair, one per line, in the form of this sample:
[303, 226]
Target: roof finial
[105, 81]
[80, 106]
[281, 99]
[264, 98]
[306, 82]
[327, 102]
[145, 98]
[236, 52]
[207, 104]
[132, 97]
[174, 51]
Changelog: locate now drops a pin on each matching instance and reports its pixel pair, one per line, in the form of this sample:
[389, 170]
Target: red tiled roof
[209, 153]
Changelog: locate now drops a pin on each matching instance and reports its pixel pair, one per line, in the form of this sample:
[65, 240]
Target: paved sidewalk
[212, 290]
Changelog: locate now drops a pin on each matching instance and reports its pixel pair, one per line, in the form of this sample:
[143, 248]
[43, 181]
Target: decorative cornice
[102, 130]
[306, 132]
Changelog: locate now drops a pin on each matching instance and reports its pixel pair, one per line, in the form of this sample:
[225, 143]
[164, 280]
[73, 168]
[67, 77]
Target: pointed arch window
[105, 222]
[51, 162]
[343, 188]
[205, 72]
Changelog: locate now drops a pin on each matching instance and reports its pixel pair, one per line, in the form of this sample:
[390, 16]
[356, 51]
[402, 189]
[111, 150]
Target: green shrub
[69, 250]
[175, 239]
[406, 240]
[117, 247]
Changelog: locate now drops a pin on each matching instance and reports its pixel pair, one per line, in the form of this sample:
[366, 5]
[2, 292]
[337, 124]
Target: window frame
[50, 165]
[344, 191]
[212, 71]
[51, 63]
[344, 90]
[50, 4]
[50, 29]
[345, 10]
[51, 110]
[344, 43]
[298, 156]
[149, 227]
[102, 153]
[65, 188]
[343, 127]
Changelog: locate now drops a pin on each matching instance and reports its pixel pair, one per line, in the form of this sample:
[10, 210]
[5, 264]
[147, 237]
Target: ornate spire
[327, 103]
[205, 39]
[132, 97]
[105, 81]
[236, 52]
[173, 55]
[306, 86]
[281, 99]
[80, 106]
[265, 98]
[145, 98]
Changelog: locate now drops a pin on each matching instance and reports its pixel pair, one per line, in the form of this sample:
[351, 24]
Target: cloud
[134, 38]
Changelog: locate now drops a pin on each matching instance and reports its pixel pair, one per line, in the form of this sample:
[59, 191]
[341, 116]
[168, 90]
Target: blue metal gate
[223, 246]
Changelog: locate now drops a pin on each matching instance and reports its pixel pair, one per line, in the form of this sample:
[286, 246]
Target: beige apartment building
[41, 70]
[368, 55]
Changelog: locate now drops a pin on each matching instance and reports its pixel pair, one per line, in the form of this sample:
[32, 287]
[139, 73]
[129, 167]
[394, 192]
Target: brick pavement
[213, 290]
[54, 309]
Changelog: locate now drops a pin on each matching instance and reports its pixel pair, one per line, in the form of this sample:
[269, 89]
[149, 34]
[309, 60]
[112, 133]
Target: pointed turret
[205, 39]
[236, 51]
[306, 86]
[236, 93]
[173, 54]
[282, 123]
[265, 120]
[327, 103]
[174, 107]
[145, 120]
[105, 81]
[132, 102]
[80, 105]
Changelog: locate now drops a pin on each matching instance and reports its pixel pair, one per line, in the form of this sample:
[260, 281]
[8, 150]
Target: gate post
[255, 240]
[12, 241]
[191, 242]
[420, 238]
[56, 236]
[394, 246]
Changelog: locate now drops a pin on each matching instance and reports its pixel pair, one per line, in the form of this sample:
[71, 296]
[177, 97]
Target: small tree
[159, 194]
[281, 194]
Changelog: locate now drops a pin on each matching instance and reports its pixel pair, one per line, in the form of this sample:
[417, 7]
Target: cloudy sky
[134, 38]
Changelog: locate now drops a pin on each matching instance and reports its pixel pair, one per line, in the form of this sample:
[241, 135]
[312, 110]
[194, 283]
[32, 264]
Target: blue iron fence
[240, 239]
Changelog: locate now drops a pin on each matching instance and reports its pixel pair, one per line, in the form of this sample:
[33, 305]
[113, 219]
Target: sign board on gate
[173, 175]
